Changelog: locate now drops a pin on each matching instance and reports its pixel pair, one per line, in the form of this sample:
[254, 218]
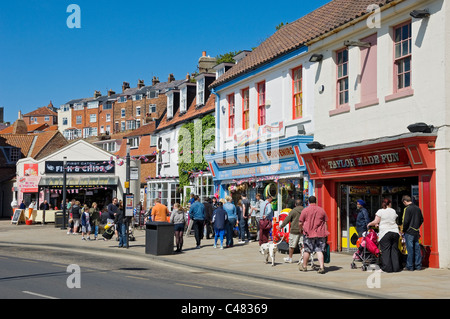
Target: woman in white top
[388, 236]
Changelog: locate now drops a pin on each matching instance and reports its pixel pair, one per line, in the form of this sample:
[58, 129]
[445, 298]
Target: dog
[269, 250]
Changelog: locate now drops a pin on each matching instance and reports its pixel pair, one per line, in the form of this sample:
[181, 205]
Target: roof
[30, 128]
[147, 129]
[144, 148]
[42, 111]
[191, 113]
[298, 33]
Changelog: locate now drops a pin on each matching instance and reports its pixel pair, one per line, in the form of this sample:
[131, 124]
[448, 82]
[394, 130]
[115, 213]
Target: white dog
[269, 250]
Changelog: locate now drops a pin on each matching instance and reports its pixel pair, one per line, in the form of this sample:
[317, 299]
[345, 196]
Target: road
[29, 273]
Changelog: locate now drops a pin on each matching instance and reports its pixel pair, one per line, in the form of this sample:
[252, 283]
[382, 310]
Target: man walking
[412, 220]
[294, 230]
[197, 214]
[313, 220]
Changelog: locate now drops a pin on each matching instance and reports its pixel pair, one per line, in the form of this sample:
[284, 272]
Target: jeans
[243, 227]
[230, 231]
[414, 258]
[219, 233]
[198, 230]
[122, 231]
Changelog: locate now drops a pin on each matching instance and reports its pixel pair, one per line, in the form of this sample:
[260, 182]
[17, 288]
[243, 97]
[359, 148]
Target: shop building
[92, 176]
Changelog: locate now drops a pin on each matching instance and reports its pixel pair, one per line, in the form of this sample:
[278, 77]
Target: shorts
[76, 222]
[86, 229]
[179, 227]
[294, 239]
[315, 244]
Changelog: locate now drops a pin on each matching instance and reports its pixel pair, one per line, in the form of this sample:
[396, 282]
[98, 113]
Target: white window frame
[93, 118]
[79, 119]
[201, 91]
[108, 117]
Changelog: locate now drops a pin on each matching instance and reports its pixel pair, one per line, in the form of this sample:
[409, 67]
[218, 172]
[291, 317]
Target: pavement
[245, 260]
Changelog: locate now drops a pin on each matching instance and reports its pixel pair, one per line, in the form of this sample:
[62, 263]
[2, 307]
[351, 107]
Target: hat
[361, 202]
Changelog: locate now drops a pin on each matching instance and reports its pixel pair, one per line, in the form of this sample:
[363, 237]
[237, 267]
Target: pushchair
[368, 252]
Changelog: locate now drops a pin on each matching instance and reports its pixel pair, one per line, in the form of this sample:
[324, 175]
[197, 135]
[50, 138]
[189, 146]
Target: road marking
[192, 286]
[29, 261]
[136, 277]
[38, 295]
[258, 297]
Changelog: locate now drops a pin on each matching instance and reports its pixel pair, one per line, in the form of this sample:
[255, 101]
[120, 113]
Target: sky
[43, 60]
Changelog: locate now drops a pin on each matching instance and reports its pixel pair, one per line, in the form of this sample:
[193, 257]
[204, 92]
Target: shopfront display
[372, 171]
[274, 169]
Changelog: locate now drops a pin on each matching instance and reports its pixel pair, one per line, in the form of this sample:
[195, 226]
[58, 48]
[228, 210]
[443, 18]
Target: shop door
[349, 194]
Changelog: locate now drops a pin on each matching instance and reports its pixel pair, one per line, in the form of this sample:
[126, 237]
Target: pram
[368, 252]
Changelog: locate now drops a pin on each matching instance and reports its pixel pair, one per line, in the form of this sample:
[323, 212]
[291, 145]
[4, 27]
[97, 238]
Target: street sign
[129, 205]
[134, 173]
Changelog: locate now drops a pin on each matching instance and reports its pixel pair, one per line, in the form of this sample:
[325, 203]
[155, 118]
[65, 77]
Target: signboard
[129, 205]
[30, 169]
[28, 184]
[80, 167]
[18, 216]
[376, 160]
[134, 173]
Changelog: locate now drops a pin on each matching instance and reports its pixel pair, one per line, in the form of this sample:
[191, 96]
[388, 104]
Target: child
[178, 218]
[85, 224]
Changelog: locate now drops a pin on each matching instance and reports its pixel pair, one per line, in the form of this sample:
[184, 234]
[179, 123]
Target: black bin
[159, 238]
[59, 219]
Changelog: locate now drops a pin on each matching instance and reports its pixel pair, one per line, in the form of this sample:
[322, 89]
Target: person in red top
[313, 221]
[159, 212]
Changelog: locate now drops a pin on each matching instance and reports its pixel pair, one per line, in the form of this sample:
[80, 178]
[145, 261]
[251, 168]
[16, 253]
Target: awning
[79, 181]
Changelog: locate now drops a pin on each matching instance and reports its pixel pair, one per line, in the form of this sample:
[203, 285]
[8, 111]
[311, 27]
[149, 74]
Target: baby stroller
[368, 252]
[109, 232]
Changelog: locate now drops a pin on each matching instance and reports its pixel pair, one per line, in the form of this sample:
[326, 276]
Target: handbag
[326, 254]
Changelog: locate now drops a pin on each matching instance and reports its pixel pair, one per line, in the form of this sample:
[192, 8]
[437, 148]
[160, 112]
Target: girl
[85, 224]
[178, 218]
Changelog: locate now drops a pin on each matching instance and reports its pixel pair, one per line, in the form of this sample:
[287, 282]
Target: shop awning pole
[64, 205]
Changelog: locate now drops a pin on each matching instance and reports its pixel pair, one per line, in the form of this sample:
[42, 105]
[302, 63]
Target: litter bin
[159, 238]
[59, 219]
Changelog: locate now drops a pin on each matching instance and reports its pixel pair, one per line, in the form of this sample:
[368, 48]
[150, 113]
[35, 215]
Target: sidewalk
[245, 259]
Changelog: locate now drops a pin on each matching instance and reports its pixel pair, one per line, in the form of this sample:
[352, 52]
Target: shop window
[245, 109]
[261, 87]
[204, 186]
[297, 93]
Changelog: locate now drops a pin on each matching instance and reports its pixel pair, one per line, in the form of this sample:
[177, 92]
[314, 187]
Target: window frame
[231, 114]
[402, 57]
[261, 102]
[340, 78]
[245, 94]
[295, 109]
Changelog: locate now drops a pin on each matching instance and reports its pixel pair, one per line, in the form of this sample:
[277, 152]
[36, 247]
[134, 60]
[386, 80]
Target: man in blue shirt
[232, 218]
[197, 214]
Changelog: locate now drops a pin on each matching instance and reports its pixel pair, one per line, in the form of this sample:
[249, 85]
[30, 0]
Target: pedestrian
[85, 224]
[243, 223]
[265, 221]
[119, 221]
[362, 218]
[197, 215]
[219, 220]
[230, 208]
[70, 216]
[295, 234]
[178, 218]
[76, 216]
[313, 221]
[95, 218]
[255, 217]
[112, 212]
[22, 205]
[412, 221]
[208, 217]
[388, 236]
[160, 212]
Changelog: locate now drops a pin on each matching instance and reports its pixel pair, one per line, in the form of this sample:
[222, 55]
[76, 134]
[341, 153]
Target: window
[137, 97]
[47, 118]
[122, 126]
[107, 106]
[138, 111]
[201, 92]
[402, 60]
[108, 117]
[102, 129]
[134, 142]
[108, 129]
[231, 113]
[93, 118]
[153, 140]
[152, 108]
[65, 121]
[342, 77]
[138, 124]
[131, 125]
[92, 105]
[297, 93]
[183, 100]
[78, 106]
[153, 94]
[122, 113]
[79, 119]
[170, 106]
[261, 87]
[122, 99]
[245, 108]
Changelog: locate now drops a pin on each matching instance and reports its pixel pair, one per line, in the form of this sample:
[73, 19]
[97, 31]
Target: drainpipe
[217, 139]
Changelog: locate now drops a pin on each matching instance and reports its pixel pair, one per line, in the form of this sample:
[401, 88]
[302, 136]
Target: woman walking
[95, 218]
[178, 218]
[388, 237]
[219, 220]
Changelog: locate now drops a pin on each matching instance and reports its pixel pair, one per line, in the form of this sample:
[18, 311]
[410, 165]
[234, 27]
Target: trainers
[301, 268]
[215, 246]
[221, 247]
[321, 271]
[287, 260]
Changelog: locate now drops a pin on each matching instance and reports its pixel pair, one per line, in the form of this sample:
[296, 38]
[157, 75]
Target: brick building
[46, 114]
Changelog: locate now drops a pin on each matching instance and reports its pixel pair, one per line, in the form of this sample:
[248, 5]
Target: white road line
[38, 295]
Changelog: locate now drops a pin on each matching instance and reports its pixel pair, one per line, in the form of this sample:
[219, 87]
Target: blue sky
[41, 59]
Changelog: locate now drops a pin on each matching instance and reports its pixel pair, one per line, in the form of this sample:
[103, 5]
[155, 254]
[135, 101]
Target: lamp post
[64, 205]
[127, 186]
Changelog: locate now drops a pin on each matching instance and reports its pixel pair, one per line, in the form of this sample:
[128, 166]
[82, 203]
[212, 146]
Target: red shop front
[374, 170]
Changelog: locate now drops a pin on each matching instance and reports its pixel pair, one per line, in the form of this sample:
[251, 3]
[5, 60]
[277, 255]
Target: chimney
[97, 94]
[125, 86]
[155, 81]
[206, 64]
[171, 78]
[140, 84]
[111, 92]
[188, 77]
[20, 115]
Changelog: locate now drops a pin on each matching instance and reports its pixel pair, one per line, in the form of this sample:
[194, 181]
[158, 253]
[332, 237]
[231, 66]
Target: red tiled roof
[42, 111]
[144, 148]
[192, 112]
[298, 33]
[30, 128]
[143, 130]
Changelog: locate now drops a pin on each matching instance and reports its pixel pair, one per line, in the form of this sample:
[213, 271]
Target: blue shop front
[274, 168]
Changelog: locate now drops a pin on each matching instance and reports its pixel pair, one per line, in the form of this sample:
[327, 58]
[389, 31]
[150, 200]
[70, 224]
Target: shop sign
[79, 167]
[261, 170]
[376, 160]
[28, 184]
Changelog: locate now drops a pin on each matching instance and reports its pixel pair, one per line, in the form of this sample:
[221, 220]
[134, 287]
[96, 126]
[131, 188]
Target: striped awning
[79, 181]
